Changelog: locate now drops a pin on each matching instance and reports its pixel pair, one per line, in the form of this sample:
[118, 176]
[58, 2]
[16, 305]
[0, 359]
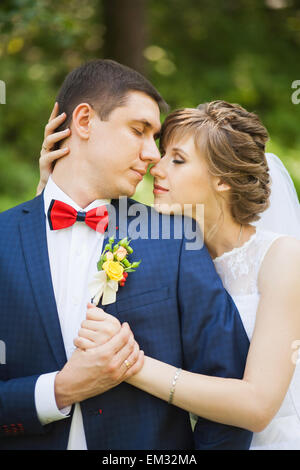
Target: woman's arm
[250, 403]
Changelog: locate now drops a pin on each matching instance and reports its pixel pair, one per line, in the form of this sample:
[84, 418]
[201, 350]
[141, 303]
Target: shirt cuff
[45, 403]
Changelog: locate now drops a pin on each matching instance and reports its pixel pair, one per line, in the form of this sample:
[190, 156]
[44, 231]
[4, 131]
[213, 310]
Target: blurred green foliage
[243, 51]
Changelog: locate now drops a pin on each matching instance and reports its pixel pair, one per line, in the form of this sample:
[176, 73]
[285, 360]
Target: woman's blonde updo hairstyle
[232, 141]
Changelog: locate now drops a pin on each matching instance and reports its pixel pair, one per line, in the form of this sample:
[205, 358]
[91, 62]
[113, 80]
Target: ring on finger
[44, 147]
[127, 363]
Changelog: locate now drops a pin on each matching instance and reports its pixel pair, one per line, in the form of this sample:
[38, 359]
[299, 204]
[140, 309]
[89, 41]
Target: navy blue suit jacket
[177, 308]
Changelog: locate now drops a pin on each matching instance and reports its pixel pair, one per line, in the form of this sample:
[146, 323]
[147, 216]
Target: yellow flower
[113, 269]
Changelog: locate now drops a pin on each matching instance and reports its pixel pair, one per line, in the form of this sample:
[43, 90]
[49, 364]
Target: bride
[214, 155]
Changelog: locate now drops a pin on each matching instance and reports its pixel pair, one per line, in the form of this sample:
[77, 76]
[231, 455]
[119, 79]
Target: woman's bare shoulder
[282, 261]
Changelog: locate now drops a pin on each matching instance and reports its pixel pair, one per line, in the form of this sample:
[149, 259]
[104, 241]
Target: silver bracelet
[172, 390]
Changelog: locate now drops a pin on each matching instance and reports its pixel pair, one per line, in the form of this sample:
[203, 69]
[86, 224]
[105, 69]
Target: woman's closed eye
[175, 160]
[178, 159]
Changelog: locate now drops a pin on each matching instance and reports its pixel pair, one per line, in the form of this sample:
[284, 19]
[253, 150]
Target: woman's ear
[220, 185]
[81, 118]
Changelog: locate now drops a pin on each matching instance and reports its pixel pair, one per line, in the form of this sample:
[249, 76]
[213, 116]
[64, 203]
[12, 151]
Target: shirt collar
[52, 191]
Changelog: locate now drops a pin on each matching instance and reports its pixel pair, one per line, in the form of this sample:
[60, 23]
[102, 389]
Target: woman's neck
[225, 235]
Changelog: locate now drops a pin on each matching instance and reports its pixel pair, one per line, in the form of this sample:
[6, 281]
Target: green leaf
[99, 265]
[136, 264]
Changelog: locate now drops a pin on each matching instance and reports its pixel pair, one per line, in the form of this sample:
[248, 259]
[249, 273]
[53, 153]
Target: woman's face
[182, 177]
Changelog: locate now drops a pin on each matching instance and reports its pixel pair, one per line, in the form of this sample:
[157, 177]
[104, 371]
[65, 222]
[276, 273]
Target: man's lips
[139, 173]
[157, 189]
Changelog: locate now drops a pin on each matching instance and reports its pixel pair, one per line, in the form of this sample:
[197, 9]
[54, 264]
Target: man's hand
[98, 328]
[95, 370]
[108, 355]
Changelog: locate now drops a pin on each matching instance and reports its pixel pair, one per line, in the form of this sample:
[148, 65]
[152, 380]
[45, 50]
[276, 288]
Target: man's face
[121, 148]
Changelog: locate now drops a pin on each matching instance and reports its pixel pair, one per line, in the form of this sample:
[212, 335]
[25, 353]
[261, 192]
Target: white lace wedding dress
[239, 270]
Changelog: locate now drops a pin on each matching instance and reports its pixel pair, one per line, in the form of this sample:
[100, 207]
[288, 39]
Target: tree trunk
[125, 37]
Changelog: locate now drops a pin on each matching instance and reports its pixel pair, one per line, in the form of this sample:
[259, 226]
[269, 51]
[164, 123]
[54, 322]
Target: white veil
[283, 215]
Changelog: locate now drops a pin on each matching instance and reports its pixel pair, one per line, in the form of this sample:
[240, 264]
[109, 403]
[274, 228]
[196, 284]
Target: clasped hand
[106, 355]
[100, 327]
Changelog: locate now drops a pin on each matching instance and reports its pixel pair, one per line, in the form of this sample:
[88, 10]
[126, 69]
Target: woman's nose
[157, 170]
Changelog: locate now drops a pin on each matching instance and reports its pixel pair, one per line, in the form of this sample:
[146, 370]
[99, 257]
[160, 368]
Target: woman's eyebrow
[179, 150]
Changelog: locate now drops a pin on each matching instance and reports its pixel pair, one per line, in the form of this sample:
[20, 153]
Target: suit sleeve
[213, 337]
[18, 414]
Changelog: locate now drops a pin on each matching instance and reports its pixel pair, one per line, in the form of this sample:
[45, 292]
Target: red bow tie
[61, 215]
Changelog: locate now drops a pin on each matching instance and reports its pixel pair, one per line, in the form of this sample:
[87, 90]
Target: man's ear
[81, 119]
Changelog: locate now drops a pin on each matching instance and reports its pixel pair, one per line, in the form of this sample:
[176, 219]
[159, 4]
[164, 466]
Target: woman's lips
[159, 189]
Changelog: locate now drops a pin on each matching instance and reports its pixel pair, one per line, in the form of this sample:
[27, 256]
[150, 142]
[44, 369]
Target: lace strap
[267, 245]
[239, 269]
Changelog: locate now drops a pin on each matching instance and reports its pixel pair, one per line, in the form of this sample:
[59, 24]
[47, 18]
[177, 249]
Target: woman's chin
[169, 208]
[161, 199]
[158, 207]
[161, 204]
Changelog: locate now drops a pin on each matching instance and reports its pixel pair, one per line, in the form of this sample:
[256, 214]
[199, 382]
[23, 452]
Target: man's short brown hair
[104, 84]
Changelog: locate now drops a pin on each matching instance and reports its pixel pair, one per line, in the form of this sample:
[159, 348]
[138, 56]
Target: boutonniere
[113, 268]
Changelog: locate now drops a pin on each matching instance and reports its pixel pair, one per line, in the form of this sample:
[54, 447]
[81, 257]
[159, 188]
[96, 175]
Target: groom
[52, 397]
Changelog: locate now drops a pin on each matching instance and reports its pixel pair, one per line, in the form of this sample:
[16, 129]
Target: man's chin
[132, 190]
[128, 192]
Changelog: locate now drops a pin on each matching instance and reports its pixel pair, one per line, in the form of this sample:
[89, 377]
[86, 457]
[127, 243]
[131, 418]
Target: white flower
[101, 285]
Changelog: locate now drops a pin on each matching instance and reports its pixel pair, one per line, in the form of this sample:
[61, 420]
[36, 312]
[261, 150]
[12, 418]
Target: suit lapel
[34, 242]
[113, 230]
[118, 228]
[118, 223]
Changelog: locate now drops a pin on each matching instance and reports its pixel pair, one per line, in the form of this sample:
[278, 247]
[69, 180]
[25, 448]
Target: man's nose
[150, 152]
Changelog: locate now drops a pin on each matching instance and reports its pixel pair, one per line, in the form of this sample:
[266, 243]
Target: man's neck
[71, 179]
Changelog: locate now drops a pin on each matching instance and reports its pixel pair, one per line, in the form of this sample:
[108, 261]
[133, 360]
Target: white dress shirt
[73, 255]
